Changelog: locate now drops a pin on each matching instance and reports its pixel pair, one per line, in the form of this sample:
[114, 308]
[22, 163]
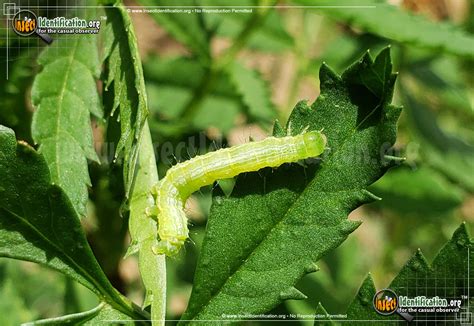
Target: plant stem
[144, 230]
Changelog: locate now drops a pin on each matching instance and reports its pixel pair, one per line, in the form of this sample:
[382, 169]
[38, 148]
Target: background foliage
[230, 76]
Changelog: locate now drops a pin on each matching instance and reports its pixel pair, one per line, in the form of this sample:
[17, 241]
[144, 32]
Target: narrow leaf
[268, 234]
[65, 94]
[124, 84]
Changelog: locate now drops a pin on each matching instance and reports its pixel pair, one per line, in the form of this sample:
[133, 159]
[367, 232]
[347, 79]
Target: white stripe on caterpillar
[183, 179]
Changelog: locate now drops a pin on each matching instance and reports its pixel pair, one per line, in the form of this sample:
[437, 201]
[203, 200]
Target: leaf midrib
[61, 99]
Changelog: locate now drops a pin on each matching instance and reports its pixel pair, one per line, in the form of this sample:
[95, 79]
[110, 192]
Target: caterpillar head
[315, 142]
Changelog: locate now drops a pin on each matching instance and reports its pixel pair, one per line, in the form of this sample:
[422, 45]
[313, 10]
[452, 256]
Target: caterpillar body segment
[185, 178]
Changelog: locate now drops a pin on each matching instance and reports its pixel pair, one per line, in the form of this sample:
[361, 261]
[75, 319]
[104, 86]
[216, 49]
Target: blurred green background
[220, 79]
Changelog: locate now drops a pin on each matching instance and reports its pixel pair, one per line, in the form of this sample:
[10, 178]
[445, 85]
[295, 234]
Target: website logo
[385, 302]
[25, 23]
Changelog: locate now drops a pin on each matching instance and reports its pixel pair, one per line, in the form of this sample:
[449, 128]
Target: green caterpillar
[183, 179]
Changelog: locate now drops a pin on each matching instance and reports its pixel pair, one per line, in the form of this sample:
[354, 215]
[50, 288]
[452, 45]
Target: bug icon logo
[25, 23]
[385, 302]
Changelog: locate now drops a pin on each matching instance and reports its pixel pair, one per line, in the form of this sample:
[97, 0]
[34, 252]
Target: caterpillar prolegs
[183, 179]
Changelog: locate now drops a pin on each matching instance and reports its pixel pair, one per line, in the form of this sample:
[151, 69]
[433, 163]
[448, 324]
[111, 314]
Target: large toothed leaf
[273, 228]
[399, 25]
[39, 224]
[125, 86]
[447, 277]
[65, 94]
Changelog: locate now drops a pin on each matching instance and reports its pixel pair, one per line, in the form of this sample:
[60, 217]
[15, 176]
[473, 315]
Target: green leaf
[39, 224]
[361, 307]
[237, 90]
[447, 277]
[108, 315]
[420, 192]
[71, 300]
[170, 89]
[124, 84]
[15, 112]
[175, 71]
[254, 91]
[393, 23]
[442, 82]
[270, 35]
[102, 314]
[271, 231]
[187, 28]
[345, 48]
[335, 280]
[215, 111]
[129, 95]
[446, 153]
[13, 308]
[65, 94]
[39, 289]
